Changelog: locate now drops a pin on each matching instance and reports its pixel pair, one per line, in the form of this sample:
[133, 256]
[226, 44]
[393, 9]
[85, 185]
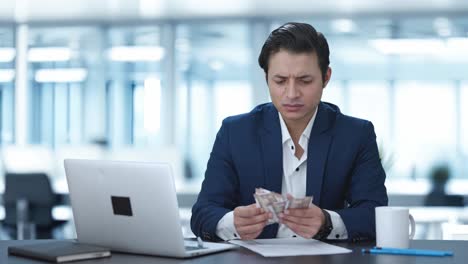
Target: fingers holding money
[249, 221]
[305, 222]
[247, 211]
[276, 203]
[305, 231]
[251, 231]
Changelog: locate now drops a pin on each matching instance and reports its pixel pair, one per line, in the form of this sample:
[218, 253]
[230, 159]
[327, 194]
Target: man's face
[295, 84]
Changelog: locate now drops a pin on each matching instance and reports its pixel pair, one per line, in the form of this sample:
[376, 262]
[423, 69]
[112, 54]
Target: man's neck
[297, 127]
[295, 130]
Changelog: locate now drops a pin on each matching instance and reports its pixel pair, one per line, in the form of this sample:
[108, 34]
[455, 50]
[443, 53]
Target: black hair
[296, 38]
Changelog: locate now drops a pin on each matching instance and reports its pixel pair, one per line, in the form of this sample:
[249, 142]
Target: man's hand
[305, 222]
[250, 221]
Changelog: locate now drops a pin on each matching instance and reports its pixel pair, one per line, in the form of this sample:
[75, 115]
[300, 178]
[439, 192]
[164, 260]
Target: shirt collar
[306, 133]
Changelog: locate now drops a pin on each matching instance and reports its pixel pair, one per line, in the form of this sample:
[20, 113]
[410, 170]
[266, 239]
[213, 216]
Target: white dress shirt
[294, 183]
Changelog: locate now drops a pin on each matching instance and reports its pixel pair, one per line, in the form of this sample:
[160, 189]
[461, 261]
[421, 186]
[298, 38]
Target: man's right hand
[250, 221]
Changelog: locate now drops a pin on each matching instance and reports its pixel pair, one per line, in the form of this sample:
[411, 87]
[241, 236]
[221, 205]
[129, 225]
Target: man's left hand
[305, 222]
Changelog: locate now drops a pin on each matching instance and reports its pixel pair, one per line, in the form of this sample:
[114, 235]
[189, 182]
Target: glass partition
[171, 83]
[62, 64]
[213, 63]
[136, 85]
[7, 79]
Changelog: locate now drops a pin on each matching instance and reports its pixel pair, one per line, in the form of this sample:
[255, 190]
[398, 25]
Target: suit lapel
[272, 149]
[319, 145]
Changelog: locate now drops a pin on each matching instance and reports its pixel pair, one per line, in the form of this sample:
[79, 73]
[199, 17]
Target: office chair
[442, 199]
[440, 176]
[33, 192]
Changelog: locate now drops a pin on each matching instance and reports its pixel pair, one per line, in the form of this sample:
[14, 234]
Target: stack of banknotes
[277, 203]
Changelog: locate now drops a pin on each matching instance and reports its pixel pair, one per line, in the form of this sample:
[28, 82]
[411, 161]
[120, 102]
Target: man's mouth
[292, 107]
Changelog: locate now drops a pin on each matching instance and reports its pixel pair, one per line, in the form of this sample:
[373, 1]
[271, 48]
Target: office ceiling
[115, 10]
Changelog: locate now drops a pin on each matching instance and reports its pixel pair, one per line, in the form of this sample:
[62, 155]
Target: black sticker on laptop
[121, 205]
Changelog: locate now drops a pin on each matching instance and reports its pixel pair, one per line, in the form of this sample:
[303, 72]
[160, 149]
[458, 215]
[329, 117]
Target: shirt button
[337, 236]
[294, 236]
[297, 169]
[292, 147]
[235, 235]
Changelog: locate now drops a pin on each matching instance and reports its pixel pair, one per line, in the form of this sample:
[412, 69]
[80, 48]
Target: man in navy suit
[296, 145]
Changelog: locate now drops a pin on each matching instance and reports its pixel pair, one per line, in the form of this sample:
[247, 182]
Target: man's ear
[327, 77]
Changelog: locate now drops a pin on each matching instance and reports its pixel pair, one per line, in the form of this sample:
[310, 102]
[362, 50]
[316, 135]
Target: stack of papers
[285, 247]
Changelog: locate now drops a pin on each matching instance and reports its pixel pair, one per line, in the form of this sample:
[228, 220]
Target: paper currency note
[300, 202]
[277, 203]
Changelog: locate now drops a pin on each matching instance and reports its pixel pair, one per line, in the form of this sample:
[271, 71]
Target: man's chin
[295, 116]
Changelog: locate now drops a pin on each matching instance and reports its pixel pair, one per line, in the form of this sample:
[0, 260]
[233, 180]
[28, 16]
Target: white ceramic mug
[392, 226]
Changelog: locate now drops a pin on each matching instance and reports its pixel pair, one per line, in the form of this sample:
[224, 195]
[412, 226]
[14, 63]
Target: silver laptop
[130, 207]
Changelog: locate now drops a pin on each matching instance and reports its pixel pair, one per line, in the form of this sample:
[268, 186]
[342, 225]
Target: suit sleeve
[366, 189]
[220, 189]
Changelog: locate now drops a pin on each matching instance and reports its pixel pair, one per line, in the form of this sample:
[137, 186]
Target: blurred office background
[151, 80]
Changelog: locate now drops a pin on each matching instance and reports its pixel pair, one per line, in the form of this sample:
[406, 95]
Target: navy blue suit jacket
[344, 171]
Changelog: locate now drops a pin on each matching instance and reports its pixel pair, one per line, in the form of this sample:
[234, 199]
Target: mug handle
[413, 226]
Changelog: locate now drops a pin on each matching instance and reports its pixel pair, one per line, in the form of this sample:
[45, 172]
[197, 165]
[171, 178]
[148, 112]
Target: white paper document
[283, 247]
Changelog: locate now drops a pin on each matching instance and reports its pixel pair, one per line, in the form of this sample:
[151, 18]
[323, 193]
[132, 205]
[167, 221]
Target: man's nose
[291, 90]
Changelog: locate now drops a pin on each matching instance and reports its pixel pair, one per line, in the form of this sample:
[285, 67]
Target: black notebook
[59, 251]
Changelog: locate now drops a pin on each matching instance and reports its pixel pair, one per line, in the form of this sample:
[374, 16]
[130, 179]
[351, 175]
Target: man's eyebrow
[279, 76]
[305, 76]
[298, 77]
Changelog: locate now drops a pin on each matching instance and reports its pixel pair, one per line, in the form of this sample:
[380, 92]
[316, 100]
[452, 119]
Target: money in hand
[277, 203]
[300, 202]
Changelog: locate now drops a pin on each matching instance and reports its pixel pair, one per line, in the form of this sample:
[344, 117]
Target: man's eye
[279, 81]
[306, 81]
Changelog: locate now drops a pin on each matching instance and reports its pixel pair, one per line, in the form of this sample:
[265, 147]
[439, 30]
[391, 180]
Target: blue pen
[413, 252]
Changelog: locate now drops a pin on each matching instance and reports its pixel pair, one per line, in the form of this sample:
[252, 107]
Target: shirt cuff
[226, 229]
[339, 229]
